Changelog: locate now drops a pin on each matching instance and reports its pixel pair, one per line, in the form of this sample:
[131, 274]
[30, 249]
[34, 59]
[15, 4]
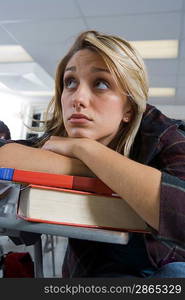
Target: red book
[78, 208]
[88, 184]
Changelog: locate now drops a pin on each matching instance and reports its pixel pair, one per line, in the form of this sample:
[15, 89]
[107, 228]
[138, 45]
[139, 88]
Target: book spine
[6, 174]
[93, 185]
[46, 179]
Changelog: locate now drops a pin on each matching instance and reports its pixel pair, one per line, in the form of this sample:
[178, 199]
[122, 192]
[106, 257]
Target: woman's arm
[14, 155]
[138, 184]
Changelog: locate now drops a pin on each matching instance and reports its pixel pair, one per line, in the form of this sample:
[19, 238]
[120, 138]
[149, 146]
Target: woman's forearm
[14, 155]
[138, 184]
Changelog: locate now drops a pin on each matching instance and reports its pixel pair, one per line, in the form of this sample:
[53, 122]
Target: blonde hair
[127, 68]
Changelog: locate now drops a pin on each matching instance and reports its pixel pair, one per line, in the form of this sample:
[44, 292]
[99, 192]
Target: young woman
[100, 125]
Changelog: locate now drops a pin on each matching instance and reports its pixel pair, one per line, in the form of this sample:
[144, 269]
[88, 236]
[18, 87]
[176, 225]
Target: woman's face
[92, 104]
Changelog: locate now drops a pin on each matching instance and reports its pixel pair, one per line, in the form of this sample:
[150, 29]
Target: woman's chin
[80, 134]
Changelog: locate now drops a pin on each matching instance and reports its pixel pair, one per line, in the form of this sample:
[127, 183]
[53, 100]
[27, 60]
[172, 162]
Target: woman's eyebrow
[93, 69]
[97, 69]
[73, 68]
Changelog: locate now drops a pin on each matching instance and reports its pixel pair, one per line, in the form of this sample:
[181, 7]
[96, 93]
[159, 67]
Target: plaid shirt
[163, 147]
[160, 143]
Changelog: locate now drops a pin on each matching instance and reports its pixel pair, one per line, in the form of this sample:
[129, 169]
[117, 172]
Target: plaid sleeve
[172, 201]
[29, 142]
[172, 209]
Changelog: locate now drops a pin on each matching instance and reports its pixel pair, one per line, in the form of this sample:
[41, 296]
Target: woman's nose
[81, 97]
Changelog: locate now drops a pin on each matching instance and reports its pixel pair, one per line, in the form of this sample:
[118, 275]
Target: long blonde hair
[127, 68]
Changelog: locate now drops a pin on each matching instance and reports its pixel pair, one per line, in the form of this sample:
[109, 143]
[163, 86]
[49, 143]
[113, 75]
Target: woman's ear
[127, 116]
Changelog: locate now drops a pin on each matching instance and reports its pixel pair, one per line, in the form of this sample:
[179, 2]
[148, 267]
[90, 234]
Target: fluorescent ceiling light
[13, 53]
[162, 92]
[157, 48]
[39, 93]
[36, 93]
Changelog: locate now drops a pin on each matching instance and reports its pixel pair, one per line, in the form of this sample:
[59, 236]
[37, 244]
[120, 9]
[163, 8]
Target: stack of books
[72, 200]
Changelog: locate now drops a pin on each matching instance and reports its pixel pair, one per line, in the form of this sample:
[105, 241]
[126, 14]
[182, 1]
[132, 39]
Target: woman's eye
[102, 85]
[70, 83]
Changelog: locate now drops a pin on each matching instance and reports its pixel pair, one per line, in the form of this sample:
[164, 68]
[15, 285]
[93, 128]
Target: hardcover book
[78, 208]
[88, 184]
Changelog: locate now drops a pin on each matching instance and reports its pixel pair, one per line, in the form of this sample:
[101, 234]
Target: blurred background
[34, 36]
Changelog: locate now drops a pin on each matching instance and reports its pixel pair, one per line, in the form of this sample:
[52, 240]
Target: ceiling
[46, 28]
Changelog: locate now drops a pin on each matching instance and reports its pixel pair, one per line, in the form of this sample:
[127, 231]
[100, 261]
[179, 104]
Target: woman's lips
[79, 119]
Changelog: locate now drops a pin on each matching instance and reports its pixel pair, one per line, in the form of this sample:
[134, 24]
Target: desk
[30, 232]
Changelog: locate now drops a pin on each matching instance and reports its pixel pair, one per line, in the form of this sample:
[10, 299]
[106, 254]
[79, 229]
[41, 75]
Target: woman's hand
[63, 145]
